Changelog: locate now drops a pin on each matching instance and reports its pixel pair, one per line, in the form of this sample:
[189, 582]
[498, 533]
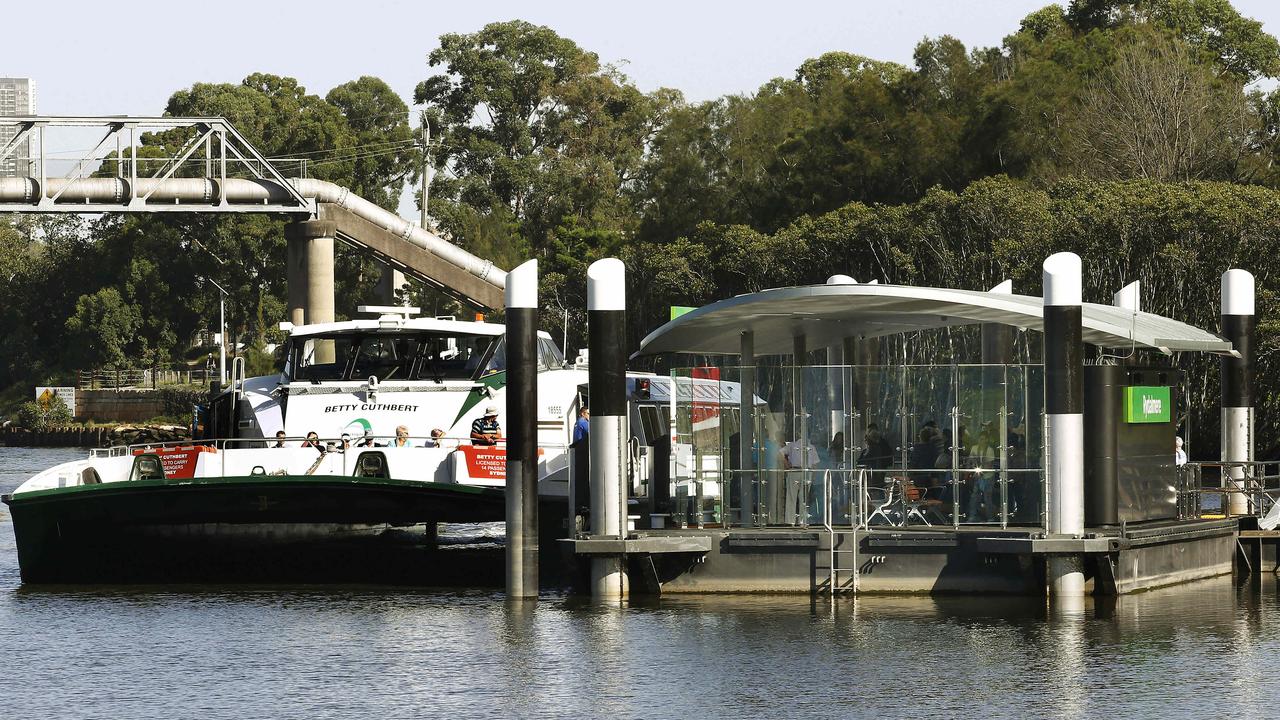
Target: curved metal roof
[826, 314]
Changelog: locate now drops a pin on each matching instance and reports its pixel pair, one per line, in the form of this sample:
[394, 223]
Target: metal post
[746, 428]
[1239, 322]
[793, 482]
[1064, 415]
[607, 378]
[222, 336]
[522, 429]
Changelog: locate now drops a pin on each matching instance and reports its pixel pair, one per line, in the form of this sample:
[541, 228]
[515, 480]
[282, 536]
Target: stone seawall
[118, 405]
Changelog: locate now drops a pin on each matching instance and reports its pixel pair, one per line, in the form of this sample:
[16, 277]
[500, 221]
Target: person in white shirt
[799, 460]
[1179, 455]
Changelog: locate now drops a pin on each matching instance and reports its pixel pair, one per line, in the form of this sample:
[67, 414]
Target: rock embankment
[139, 434]
[98, 436]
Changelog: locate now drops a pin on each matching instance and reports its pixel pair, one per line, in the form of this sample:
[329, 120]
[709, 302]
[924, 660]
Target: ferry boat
[240, 503]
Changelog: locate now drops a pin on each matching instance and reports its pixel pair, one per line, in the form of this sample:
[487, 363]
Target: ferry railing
[332, 446]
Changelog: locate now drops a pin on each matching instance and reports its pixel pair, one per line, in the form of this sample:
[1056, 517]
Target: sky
[127, 58]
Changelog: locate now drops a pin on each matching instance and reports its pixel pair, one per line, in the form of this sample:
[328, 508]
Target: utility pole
[426, 165]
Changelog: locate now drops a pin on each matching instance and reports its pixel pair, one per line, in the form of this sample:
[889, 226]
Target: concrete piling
[607, 376]
[1238, 325]
[522, 431]
[1064, 411]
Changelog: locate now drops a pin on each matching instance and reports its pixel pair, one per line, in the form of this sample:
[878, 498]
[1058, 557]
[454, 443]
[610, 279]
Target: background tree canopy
[1130, 131]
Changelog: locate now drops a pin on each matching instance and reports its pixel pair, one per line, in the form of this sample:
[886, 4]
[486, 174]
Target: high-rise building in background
[17, 97]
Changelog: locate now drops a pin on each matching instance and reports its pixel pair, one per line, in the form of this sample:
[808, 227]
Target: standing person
[280, 436]
[402, 436]
[1179, 454]
[797, 459]
[582, 428]
[485, 430]
[346, 442]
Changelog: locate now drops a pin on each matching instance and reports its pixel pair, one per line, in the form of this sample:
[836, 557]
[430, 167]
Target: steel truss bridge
[218, 171]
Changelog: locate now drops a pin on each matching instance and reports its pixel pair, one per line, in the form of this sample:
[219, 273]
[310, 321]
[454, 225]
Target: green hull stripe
[496, 381]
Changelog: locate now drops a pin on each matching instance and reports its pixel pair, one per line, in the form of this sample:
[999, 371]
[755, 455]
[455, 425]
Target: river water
[1204, 649]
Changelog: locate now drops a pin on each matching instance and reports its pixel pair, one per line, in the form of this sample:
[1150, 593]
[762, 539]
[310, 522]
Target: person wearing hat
[485, 430]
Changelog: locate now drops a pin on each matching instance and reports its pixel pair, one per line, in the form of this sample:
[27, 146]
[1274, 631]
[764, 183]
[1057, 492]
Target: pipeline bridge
[218, 171]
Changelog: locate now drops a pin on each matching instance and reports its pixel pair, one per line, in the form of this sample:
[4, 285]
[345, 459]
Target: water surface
[1204, 649]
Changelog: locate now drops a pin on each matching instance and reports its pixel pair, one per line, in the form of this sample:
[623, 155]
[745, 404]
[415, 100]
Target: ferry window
[458, 357]
[392, 357]
[322, 357]
[549, 357]
[498, 362]
[386, 356]
[654, 427]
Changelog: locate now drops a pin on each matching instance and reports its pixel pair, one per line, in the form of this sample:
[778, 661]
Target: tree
[1156, 113]
[386, 148]
[102, 328]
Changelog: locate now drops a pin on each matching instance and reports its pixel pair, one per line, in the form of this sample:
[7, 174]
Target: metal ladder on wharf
[842, 545]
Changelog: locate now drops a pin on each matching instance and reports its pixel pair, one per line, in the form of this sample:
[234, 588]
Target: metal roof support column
[1238, 325]
[747, 477]
[1064, 410]
[795, 510]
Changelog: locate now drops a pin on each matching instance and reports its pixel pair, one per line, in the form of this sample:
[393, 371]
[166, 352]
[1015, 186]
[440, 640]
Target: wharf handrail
[1260, 487]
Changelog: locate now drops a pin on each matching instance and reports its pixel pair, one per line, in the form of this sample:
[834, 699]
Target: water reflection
[313, 651]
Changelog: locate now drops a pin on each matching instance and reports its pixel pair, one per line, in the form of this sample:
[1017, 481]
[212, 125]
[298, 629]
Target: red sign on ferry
[178, 462]
[485, 462]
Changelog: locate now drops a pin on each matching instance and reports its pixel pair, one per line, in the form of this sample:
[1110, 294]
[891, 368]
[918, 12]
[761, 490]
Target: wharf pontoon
[858, 462]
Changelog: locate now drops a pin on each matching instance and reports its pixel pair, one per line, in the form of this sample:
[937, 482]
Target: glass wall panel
[926, 491]
[885, 445]
[981, 428]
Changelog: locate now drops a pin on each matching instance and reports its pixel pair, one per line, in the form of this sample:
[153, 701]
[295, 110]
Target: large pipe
[322, 191]
[1064, 415]
[522, 427]
[1239, 322]
[240, 191]
[607, 378]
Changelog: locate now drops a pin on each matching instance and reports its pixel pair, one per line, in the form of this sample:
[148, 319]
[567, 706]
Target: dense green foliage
[1125, 130]
[38, 416]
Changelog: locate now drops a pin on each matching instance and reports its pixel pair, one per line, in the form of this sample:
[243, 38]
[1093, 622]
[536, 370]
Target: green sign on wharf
[1147, 404]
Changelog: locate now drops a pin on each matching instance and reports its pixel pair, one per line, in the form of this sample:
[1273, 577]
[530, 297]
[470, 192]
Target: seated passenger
[402, 437]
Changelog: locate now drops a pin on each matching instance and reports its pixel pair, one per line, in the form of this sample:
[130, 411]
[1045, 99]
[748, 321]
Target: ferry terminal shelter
[820, 423]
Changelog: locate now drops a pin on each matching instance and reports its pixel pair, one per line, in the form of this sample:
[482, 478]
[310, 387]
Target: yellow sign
[45, 396]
